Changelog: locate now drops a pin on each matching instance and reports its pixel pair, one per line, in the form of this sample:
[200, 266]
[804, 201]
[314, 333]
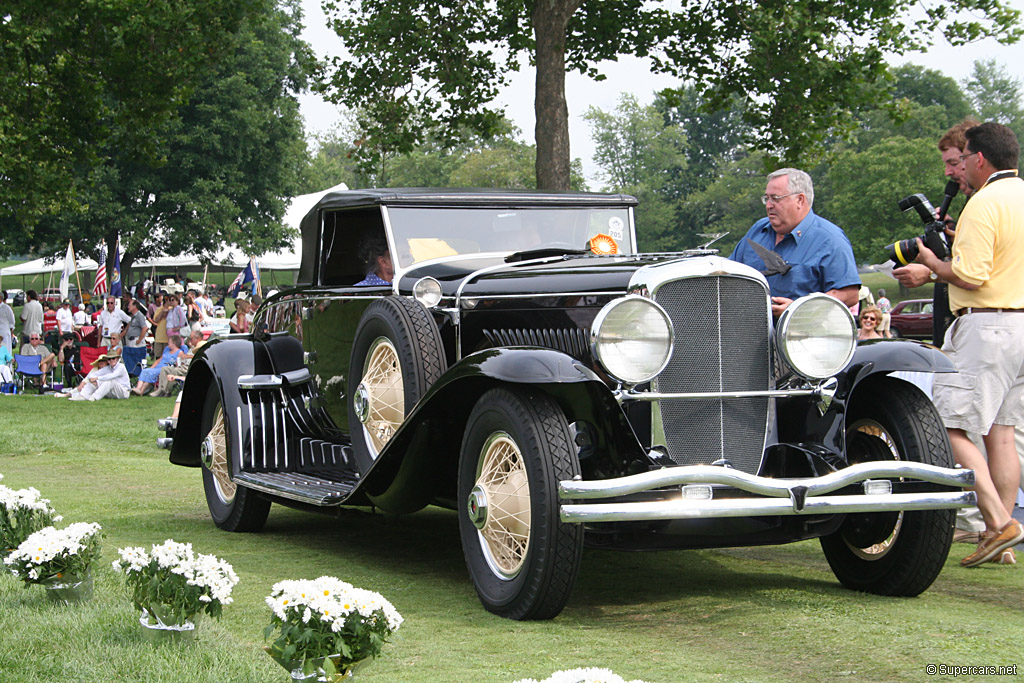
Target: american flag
[99, 287]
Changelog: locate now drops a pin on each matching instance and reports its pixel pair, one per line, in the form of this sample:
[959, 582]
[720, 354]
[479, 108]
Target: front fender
[445, 408]
[219, 362]
[801, 420]
[892, 355]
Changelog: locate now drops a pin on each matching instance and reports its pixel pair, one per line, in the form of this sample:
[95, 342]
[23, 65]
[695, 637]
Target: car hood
[570, 274]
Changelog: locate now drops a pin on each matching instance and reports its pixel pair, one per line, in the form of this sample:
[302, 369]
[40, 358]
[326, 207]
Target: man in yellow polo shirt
[986, 341]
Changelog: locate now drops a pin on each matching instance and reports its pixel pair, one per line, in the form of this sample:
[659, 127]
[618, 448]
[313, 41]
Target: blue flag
[250, 274]
[115, 276]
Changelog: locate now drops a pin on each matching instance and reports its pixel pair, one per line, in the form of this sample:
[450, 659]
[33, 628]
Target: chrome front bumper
[770, 496]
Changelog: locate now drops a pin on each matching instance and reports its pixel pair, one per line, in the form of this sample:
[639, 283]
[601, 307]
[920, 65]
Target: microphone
[952, 187]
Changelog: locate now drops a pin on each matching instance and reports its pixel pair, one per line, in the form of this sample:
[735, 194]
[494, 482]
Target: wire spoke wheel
[892, 552]
[232, 507]
[869, 437]
[522, 558]
[383, 392]
[502, 479]
[218, 458]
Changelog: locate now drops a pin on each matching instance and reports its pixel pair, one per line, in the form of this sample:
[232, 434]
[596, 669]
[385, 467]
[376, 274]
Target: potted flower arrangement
[327, 627]
[22, 512]
[59, 559]
[173, 585]
[585, 675]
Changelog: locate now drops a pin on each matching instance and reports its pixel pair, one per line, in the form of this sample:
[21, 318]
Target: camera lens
[902, 252]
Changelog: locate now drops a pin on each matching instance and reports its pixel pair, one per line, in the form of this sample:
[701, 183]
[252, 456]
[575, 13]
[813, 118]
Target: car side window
[343, 232]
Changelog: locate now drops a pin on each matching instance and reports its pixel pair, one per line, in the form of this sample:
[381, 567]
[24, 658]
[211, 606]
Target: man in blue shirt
[799, 251]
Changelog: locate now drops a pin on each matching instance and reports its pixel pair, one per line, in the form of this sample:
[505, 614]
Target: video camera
[934, 237]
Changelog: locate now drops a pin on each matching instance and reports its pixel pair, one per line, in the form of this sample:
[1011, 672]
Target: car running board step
[306, 488]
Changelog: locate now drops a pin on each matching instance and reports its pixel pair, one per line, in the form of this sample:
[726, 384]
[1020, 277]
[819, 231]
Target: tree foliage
[222, 168]
[78, 76]
[430, 68]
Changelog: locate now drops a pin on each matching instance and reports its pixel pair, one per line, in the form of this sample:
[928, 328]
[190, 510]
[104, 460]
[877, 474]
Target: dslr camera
[905, 251]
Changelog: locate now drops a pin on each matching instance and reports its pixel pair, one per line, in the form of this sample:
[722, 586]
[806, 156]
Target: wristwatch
[933, 276]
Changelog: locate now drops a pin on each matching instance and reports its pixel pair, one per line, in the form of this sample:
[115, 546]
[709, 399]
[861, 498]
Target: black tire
[232, 507]
[893, 553]
[894, 332]
[396, 356]
[518, 435]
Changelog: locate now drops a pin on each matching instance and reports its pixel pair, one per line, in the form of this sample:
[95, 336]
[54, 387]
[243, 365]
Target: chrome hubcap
[478, 507]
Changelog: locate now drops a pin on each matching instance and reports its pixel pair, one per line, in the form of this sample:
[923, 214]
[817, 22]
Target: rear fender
[220, 362]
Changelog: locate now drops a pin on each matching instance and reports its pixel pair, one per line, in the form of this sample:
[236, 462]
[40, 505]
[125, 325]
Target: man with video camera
[951, 146]
[986, 341]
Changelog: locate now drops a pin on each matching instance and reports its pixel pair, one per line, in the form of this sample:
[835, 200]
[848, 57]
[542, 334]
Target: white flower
[583, 675]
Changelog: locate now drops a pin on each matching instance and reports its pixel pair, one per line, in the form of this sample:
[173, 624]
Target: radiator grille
[573, 341]
[721, 344]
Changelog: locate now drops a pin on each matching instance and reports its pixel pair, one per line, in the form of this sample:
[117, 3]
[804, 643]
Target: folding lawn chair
[88, 355]
[132, 358]
[25, 367]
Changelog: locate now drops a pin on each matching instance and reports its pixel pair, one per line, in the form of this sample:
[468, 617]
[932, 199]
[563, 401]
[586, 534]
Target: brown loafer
[1010, 535]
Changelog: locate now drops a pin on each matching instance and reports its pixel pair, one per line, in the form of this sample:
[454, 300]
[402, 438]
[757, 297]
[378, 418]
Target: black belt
[964, 311]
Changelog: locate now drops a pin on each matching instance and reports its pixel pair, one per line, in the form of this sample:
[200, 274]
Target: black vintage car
[528, 368]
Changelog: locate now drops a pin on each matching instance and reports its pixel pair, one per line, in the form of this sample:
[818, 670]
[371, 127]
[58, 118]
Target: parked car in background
[52, 294]
[912, 319]
[528, 368]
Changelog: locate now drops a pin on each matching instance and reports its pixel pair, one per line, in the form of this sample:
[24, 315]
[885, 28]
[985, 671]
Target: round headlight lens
[632, 339]
[817, 336]
[427, 291]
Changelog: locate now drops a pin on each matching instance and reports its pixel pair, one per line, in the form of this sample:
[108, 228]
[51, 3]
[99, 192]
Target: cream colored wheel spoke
[382, 377]
[219, 461]
[506, 534]
[878, 550]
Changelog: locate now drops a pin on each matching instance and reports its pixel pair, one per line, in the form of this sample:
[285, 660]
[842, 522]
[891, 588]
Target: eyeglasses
[869, 318]
[33, 338]
[776, 198]
[963, 157]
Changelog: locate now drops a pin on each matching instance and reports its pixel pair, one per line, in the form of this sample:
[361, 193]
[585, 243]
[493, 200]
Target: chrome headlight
[632, 339]
[427, 291]
[817, 336]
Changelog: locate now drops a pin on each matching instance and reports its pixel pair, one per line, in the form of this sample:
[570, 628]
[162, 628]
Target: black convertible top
[421, 196]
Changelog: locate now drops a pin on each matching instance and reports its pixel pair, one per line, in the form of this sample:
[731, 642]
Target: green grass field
[751, 614]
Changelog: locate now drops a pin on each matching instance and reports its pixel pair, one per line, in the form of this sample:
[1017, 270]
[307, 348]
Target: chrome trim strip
[766, 486]
[252, 440]
[238, 421]
[263, 429]
[631, 395]
[260, 381]
[542, 295]
[762, 507]
[166, 443]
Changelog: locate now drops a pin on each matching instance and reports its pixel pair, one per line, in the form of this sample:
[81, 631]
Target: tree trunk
[550, 18]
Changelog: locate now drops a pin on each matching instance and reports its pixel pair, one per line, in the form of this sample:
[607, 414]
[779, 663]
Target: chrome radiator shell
[723, 343]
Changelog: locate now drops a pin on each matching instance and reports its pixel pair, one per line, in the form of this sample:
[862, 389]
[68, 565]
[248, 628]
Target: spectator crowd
[131, 346]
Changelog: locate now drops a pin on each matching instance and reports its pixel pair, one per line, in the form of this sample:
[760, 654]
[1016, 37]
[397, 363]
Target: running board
[305, 488]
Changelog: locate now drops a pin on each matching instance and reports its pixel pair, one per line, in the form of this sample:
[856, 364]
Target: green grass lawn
[751, 614]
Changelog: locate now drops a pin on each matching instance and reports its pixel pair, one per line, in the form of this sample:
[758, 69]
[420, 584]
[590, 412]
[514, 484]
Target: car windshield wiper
[545, 250]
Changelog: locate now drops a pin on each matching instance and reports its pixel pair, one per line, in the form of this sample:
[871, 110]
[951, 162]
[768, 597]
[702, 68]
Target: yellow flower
[327, 592]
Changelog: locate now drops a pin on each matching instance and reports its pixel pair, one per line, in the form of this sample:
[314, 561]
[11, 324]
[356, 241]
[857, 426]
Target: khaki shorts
[988, 387]
[883, 324]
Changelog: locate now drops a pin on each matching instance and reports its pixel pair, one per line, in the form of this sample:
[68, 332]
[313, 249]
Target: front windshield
[425, 233]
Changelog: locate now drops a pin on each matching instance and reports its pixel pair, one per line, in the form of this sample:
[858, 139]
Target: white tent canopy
[229, 257]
